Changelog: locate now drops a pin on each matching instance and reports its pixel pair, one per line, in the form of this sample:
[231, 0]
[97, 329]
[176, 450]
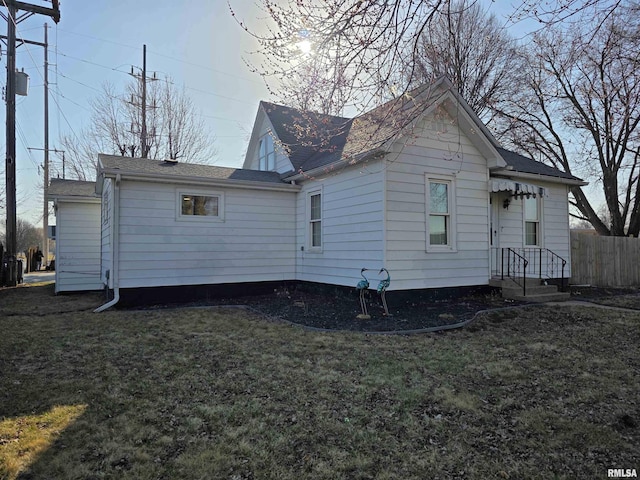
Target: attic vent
[170, 161]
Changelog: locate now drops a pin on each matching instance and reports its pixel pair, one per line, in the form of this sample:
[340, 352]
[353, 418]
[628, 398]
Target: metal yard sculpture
[363, 286]
[382, 289]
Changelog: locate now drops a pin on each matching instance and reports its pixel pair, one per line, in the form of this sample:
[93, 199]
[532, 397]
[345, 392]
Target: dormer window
[267, 154]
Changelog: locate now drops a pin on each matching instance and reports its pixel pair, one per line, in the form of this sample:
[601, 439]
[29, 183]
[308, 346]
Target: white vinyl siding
[352, 226]
[439, 152]
[78, 246]
[254, 243]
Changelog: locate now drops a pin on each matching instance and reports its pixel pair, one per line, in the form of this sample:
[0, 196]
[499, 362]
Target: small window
[267, 154]
[531, 221]
[200, 206]
[439, 213]
[315, 221]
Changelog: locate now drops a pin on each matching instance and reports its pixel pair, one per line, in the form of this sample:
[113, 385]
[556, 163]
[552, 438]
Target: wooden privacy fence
[605, 261]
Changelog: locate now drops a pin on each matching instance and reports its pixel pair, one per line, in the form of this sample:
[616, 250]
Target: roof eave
[538, 176]
[348, 161]
[73, 198]
[203, 181]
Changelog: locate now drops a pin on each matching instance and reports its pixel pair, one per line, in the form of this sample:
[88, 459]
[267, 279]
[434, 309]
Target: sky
[196, 42]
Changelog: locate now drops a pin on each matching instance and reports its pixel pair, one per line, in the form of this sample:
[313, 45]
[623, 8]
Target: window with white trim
[531, 220]
[315, 220]
[266, 153]
[440, 213]
[201, 206]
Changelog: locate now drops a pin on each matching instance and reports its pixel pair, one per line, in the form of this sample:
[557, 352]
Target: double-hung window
[315, 221]
[440, 214]
[267, 153]
[531, 221]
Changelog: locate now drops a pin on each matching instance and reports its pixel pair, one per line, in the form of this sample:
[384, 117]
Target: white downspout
[116, 248]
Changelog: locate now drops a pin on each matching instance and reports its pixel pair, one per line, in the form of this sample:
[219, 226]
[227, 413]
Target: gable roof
[304, 134]
[59, 187]
[315, 140]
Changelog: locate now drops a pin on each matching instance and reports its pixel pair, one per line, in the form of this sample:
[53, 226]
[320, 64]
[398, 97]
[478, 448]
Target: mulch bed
[339, 310]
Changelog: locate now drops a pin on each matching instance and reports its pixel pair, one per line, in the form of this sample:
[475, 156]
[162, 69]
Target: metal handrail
[515, 259]
[536, 259]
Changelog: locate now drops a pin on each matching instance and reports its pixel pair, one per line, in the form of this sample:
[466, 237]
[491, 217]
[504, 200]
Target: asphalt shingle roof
[527, 165]
[71, 188]
[305, 135]
[315, 140]
[161, 167]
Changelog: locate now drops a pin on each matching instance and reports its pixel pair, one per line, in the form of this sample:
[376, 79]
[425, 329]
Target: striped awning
[516, 188]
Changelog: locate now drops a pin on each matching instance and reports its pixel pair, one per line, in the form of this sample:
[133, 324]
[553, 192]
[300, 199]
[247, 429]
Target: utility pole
[144, 144]
[10, 158]
[45, 219]
[45, 192]
[143, 134]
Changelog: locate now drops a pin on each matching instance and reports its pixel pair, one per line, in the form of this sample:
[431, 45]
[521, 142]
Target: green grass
[223, 394]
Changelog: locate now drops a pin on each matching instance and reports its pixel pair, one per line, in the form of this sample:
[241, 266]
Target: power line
[88, 62]
[194, 64]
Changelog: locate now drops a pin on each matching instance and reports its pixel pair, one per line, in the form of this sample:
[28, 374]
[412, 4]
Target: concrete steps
[535, 291]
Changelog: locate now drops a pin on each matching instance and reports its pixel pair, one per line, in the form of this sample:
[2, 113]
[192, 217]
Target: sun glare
[304, 46]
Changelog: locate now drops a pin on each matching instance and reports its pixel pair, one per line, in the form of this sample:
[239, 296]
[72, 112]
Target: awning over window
[502, 185]
[517, 189]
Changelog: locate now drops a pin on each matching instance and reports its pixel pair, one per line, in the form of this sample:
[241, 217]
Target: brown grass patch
[534, 392]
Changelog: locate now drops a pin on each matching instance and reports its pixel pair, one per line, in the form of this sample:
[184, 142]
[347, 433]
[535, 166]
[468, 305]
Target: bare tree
[473, 49]
[375, 42]
[174, 129]
[317, 87]
[181, 134]
[580, 111]
[27, 236]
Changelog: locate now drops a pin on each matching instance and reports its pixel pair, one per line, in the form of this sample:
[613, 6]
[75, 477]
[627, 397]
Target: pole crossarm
[22, 40]
[54, 12]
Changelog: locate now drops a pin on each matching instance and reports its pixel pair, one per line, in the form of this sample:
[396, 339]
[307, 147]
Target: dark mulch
[339, 309]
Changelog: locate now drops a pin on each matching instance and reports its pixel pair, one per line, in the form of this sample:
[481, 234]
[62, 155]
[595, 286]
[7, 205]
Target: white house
[77, 253]
[418, 186]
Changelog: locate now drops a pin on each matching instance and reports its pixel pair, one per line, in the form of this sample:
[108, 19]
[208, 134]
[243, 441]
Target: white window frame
[539, 228]
[310, 247]
[267, 162]
[451, 245]
[199, 218]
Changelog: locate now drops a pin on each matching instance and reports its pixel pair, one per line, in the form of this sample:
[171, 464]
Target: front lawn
[534, 392]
